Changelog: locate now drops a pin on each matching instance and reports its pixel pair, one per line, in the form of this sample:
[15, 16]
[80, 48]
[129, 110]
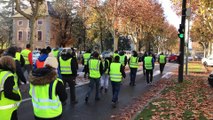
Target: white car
[207, 61]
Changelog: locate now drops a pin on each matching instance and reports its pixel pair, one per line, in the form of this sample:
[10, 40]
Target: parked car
[173, 58]
[106, 54]
[207, 61]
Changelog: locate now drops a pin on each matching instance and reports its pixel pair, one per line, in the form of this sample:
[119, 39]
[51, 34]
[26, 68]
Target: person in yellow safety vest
[68, 70]
[116, 73]
[19, 57]
[85, 59]
[162, 62]
[133, 64]
[123, 58]
[95, 71]
[149, 66]
[47, 92]
[11, 51]
[27, 54]
[105, 76]
[115, 54]
[10, 96]
[55, 52]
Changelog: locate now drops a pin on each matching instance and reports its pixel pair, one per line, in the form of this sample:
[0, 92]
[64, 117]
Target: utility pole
[182, 42]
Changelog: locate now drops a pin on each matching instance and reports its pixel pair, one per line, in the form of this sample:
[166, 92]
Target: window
[20, 23]
[39, 35]
[20, 35]
[28, 37]
[39, 22]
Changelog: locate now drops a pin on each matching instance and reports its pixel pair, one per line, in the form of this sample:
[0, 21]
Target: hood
[66, 56]
[7, 63]
[43, 76]
[42, 57]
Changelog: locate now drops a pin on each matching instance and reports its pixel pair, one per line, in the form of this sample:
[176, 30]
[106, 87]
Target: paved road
[99, 110]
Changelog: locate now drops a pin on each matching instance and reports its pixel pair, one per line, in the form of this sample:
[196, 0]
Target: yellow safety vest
[148, 62]
[134, 62]
[162, 59]
[86, 57]
[25, 54]
[122, 59]
[46, 104]
[18, 56]
[115, 74]
[65, 66]
[94, 68]
[55, 53]
[7, 106]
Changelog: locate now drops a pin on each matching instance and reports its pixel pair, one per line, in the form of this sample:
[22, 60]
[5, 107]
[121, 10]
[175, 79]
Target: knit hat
[51, 61]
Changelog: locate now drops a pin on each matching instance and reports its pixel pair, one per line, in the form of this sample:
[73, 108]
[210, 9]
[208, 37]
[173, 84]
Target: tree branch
[18, 9]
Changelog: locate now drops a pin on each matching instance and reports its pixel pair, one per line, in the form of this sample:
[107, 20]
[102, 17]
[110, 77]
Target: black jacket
[73, 64]
[46, 75]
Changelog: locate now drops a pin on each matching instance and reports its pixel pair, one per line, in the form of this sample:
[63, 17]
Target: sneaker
[86, 99]
[114, 104]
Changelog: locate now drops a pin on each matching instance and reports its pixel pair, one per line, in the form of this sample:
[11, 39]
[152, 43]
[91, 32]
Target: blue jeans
[133, 72]
[93, 81]
[115, 90]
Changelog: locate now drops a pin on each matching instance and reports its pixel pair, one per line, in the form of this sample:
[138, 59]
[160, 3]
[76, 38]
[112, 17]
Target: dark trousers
[133, 72]
[71, 82]
[27, 68]
[93, 81]
[55, 118]
[144, 70]
[86, 70]
[149, 76]
[115, 90]
[162, 67]
[14, 115]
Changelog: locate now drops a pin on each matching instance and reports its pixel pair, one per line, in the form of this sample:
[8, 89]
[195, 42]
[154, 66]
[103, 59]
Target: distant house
[44, 33]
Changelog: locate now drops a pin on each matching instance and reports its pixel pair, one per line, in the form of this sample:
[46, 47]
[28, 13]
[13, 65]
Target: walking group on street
[49, 75]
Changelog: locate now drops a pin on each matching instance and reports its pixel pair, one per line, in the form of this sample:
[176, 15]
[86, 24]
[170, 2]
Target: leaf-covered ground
[169, 100]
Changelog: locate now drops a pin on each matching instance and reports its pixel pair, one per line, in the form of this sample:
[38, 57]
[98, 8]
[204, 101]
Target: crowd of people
[50, 73]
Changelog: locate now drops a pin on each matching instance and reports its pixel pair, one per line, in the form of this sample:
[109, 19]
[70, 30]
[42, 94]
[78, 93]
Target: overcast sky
[170, 14]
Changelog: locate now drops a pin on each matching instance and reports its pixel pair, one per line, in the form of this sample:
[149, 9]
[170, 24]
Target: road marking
[167, 75]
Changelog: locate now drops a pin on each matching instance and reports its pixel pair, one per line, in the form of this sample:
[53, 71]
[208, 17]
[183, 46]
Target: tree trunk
[32, 32]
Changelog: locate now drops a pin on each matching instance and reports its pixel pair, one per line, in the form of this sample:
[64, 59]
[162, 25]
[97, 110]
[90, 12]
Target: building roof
[45, 10]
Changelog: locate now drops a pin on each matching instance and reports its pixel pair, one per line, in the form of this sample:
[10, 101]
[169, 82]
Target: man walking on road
[123, 59]
[116, 72]
[86, 57]
[68, 70]
[27, 54]
[149, 66]
[105, 76]
[162, 62]
[95, 71]
[133, 64]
